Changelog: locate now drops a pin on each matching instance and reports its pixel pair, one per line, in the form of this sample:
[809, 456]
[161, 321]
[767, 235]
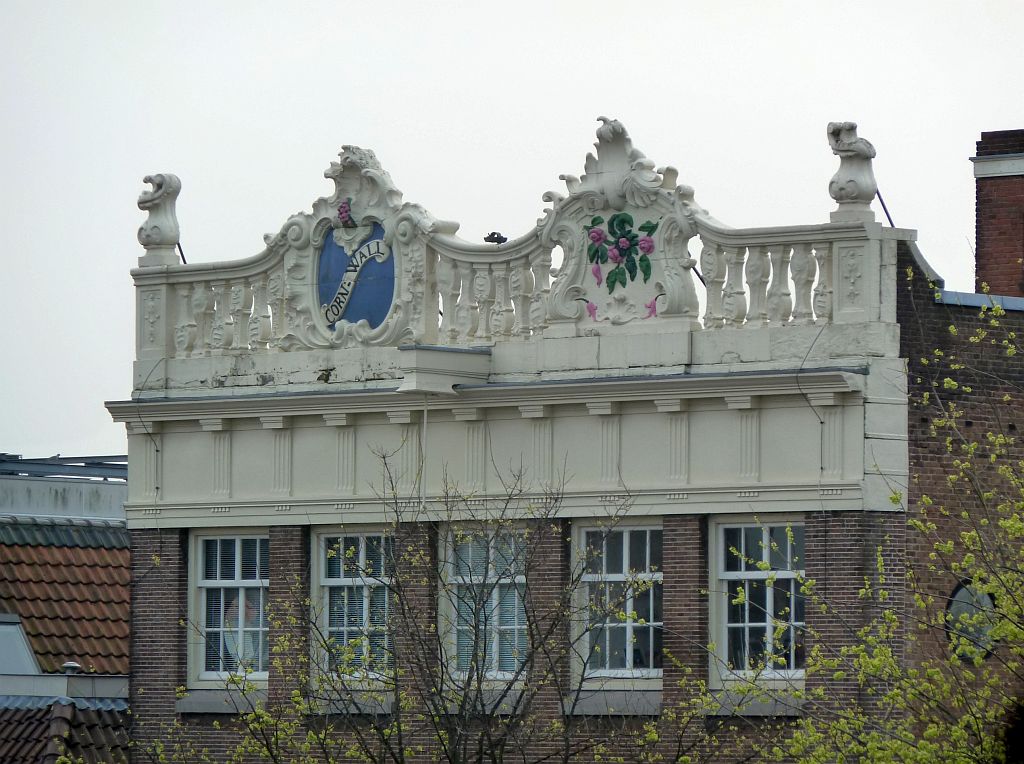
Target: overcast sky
[474, 108]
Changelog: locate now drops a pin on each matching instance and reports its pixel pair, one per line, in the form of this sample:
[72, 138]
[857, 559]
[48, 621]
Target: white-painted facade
[775, 387]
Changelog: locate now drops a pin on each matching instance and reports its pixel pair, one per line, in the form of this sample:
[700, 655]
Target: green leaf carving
[645, 267]
[649, 228]
[596, 220]
[602, 253]
[619, 224]
[630, 263]
[592, 252]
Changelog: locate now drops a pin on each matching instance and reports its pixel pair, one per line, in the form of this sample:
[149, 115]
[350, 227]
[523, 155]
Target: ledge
[736, 703]
[223, 701]
[975, 300]
[614, 703]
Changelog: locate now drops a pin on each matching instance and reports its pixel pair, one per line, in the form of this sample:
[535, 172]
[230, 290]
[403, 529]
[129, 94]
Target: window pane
[642, 647]
[470, 554]
[757, 611]
[229, 654]
[737, 597]
[231, 613]
[264, 558]
[353, 607]
[210, 559]
[350, 557]
[613, 552]
[212, 661]
[333, 553]
[798, 605]
[737, 648]
[732, 542]
[655, 559]
[510, 607]
[616, 647]
[756, 648]
[642, 604]
[509, 656]
[250, 566]
[378, 606]
[597, 649]
[227, 559]
[779, 549]
[213, 603]
[781, 610]
[638, 551]
[389, 556]
[752, 551]
[595, 556]
[374, 557]
[656, 597]
[253, 609]
[336, 608]
[798, 547]
[656, 661]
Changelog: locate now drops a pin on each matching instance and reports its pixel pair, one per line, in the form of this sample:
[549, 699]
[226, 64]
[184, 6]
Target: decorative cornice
[400, 405]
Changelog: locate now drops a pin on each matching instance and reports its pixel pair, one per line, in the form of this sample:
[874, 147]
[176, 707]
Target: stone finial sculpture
[853, 186]
[160, 233]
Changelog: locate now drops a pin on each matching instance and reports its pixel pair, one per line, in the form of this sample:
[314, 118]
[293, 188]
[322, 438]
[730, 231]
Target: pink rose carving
[646, 244]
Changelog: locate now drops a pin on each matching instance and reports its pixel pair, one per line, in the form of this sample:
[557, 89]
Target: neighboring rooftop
[68, 583]
[94, 467]
[34, 730]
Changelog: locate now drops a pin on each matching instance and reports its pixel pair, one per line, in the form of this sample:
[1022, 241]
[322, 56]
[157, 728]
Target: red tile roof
[39, 733]
[73, 602]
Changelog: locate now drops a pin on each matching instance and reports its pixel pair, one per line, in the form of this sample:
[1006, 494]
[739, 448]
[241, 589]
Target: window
[355, 575]
[760, 568]
[623, 590]
[487, 592]
[232, 586]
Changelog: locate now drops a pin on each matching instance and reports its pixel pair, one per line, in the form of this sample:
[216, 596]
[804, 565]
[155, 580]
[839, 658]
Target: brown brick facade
[1000, 219]
[840, 553]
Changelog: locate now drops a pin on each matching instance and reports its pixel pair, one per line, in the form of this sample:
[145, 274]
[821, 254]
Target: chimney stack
[999, 206]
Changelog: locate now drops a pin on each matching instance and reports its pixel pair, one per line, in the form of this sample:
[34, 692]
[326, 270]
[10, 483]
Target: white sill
[220, 701]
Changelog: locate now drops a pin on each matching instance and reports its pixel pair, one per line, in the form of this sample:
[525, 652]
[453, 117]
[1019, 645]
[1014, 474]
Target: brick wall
[937, 341]
[840, 552]
[999, 226]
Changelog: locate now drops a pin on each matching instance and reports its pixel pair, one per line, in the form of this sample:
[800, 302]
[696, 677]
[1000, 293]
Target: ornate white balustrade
[623, 231]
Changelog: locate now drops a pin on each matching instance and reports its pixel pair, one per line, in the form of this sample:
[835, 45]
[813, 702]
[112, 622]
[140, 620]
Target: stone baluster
[483, 293]
[220, 333]
[521, 283]
[541, 267]
[780, 301]
[241, 309]
[758, 266]
[185, 328]
[712, 264]
[803, 269]
[734, 304]
[823, 289]
[502, 316]
[275, 290]
[466, 311]
[260, 327]
[448, 286]
[202, 311]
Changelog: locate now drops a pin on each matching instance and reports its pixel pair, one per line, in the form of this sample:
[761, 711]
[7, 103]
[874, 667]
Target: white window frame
[199, 586]
[649, 578]
[449, 604]
[722, 583]
[326, 583]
